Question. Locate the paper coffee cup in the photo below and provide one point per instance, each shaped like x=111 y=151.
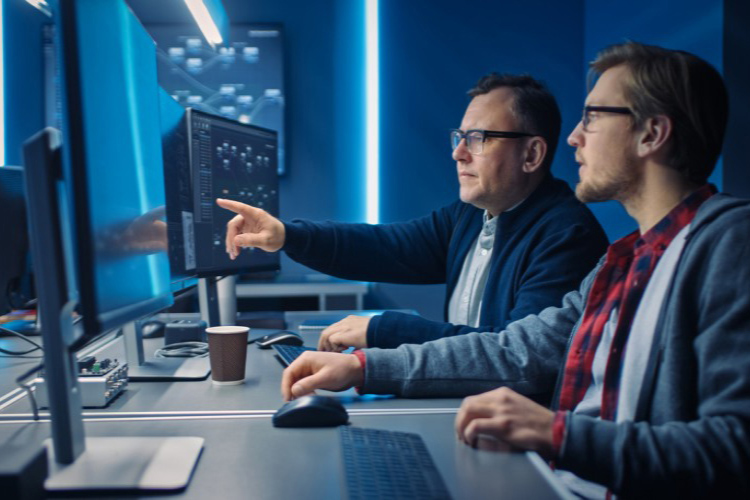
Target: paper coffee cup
x=227 y=352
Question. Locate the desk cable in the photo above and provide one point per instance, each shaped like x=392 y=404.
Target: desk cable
x=27 y=387
x=21 y=336
x=183 y=350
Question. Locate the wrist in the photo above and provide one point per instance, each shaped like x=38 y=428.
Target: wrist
x=281 y=232
x=359 y=361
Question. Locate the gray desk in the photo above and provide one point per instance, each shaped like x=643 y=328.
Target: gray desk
x=245 y=456
x=248 y=458
x=260 y=392
x=13 y=366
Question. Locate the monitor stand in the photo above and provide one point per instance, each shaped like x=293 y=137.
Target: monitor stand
x=78 y=463
x=120 y=465
x=208 y=299
x=153 y=369
x=217 y=306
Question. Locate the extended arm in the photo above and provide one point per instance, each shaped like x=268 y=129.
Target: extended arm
x=406 y=252
x=525 y=357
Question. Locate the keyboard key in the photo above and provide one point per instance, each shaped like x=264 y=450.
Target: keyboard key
x=288 y=353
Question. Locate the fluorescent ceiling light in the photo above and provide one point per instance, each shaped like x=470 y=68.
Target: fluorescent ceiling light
x=41 y=5
x=205 y=22
x=2 y=90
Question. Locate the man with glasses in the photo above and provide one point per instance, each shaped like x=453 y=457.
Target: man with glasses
x=515 y=243
x=653 y=398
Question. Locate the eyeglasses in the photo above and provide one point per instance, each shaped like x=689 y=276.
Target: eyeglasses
x=587 y=110
x=475 y=138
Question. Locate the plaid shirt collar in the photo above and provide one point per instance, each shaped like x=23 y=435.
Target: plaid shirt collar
x=619 y=285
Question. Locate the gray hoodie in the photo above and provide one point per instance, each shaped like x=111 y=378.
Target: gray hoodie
x=691 y=434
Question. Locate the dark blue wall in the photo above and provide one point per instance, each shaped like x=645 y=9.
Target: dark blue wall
x=692 y=25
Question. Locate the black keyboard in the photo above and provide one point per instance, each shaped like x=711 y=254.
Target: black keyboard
x=389 y=465
x=288 y=353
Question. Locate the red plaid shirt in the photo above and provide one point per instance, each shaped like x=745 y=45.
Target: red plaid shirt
x=619 y=285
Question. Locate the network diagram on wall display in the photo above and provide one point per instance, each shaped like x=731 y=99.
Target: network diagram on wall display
x=242 y=80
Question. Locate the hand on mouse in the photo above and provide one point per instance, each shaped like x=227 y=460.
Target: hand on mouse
x=349 y=332
x=251 y=227
x=320 y=370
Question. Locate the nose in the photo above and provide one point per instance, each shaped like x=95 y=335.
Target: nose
x=461 y=153
x=575 y=138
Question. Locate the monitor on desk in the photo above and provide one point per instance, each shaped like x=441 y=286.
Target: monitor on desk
x=98 y=233
x=237 y=161
x=178 y=192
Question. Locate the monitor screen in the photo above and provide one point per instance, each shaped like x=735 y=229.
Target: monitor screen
x=15 y=277
x=112 y=161
x=235 y=161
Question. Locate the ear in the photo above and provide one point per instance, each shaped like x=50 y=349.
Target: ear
x=536 y=151
x=654 y=135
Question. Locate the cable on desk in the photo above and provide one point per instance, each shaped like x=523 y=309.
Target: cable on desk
x=27 y=387
x=36 y=347
x=183 y=350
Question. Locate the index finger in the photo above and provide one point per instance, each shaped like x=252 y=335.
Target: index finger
x=299 y=369
x=235 y=206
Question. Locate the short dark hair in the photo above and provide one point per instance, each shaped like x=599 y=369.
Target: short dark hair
x=533 y=105
x=681 y=86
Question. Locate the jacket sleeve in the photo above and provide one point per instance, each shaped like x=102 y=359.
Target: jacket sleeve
x=708 y=454
x=405 y=252
x=525 y=357
x=557 y=263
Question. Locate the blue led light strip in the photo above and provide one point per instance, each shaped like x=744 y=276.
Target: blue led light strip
x=2 y=90
x=372 y=128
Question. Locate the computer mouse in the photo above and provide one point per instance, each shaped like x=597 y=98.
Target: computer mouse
x=152 y=329
x=282 y=337
x=311 y=411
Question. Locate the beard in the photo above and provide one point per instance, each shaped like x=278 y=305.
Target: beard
x=618 y=184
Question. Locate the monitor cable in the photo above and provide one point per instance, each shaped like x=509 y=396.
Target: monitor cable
x=183 y=350
x=27 y=387
x=36 y=347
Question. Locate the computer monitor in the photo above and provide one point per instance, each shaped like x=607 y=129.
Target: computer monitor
x=237 y=161
x=98 y=233
x=178 y=192
x=15 y=272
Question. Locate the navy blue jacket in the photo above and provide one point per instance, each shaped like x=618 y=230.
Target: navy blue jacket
x=543 y=249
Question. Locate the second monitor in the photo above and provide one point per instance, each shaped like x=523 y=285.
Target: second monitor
x=236 y=161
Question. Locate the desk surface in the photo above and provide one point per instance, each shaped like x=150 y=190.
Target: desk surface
x=245 y=456
x=260 y=392
x=248 y=458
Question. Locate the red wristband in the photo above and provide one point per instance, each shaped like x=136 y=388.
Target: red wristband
x=360 y=355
